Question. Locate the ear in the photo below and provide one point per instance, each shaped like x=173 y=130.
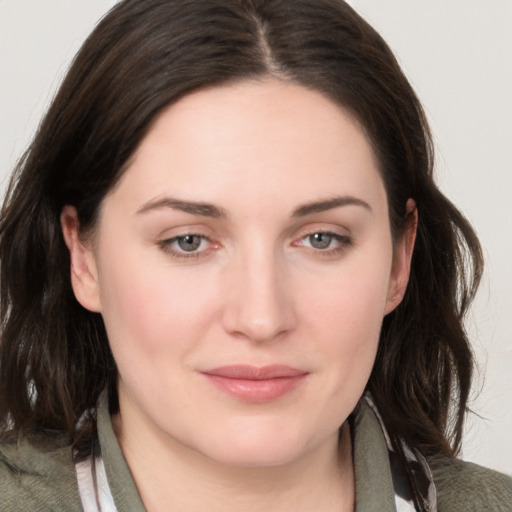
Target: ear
x=402 y=256
x=84 y=274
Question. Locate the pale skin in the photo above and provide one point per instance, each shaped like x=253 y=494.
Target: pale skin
x=250 y=227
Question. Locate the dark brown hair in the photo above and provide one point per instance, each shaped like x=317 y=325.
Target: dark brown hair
x=144 y=55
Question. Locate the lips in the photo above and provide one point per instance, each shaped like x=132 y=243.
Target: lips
x=255 y=384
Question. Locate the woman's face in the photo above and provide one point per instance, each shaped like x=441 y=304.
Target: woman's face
x=243 y=266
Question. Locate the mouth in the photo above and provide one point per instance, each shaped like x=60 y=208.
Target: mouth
x=254 y=384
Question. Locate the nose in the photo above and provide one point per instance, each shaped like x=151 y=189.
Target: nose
x=259 y=305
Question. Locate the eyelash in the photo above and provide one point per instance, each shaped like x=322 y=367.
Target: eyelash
x=342 y=243
x=167 y=247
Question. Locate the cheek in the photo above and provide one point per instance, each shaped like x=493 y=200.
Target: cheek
x=354 y=326
x=345 y=319
x=351 y=302
x=149 y=311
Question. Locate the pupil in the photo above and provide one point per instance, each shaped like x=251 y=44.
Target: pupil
x=320 y=240
x=189 y=243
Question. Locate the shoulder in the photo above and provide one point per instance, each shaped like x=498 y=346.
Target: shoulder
x=37 y=474
x=464 y=486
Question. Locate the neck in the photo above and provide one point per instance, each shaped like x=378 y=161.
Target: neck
x=169 y=475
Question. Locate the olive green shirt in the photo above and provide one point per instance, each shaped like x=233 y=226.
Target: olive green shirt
x=40 y=476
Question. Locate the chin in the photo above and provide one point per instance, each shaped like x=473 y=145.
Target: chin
x=258 y=445
x=257 y=456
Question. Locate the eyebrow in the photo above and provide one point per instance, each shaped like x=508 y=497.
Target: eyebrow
x=329 y=204
x=192 y=207
x=210 y=210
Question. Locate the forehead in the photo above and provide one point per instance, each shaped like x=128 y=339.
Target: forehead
x=271 y=140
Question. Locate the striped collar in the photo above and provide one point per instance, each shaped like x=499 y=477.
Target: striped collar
x=105 y=483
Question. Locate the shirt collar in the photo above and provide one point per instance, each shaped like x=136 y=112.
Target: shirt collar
x=378 y=479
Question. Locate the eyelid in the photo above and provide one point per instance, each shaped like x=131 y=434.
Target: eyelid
x=326 y=232
x=344 y=241
x=328 y=228
x=167 y=246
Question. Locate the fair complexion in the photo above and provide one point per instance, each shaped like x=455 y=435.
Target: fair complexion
x=249 y=230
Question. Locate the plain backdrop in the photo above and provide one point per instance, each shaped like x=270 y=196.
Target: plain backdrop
x=458 y=56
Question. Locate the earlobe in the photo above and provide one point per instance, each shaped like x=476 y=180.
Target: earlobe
x=84 y=275
x=402 y=258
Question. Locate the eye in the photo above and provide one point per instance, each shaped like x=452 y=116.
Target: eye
x=320 y=240
x=325 y=244
x=325 y=241
x=190 y=245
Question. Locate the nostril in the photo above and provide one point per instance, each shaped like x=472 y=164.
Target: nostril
x=258 y=314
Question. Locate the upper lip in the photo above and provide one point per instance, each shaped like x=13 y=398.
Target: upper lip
x=249 y=372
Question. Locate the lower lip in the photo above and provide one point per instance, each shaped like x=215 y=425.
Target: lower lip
x=256 y=391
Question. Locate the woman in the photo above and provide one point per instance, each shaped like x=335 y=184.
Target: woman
x=228 y=279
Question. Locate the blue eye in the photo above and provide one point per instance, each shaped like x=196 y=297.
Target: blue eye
x=325 y=244
x=321 y=240
x=186 y=246
x=326 y=241
x=189 y=243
